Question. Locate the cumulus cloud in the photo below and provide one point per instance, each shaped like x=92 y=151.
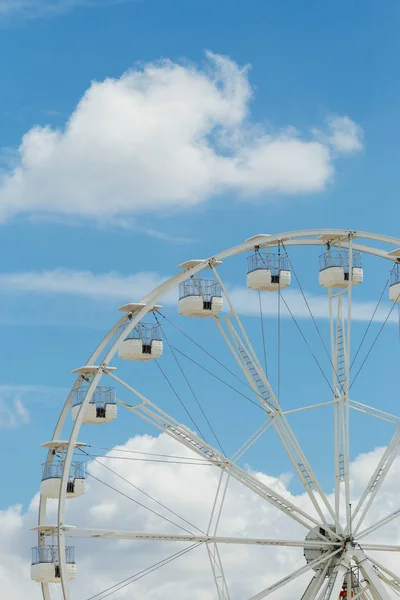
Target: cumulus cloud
x=165 y=136
x=189 y=491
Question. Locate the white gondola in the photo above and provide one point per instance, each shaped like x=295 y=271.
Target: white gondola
x=394 y=289
x=51 y=479
x=335 y=271
x=267 y=271
x=143 y=343
x=101 y=408
x=45 y=566
x=200 y=298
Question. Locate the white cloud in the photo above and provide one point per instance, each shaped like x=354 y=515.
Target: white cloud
x=127 y=288
x=82 y=283
x=12 y=412
x=246 y=303
x=160 y=137
x=188 y=490
x=345 y=135
x=15 y=398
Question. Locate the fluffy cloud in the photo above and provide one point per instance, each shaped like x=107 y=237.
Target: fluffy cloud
x=188 y=490
x=161 y=137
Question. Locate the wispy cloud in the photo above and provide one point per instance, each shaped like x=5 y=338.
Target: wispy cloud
x=13 y=413
x=15 y=400
x=33 y=9
x=116 y=223
x=82 y=283
x=122 y=288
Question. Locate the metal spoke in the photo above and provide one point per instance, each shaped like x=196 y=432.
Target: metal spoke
x=395 y=578
x=370 y=575
x=379 y=524
x=218 y=571
x=115 y=534
x=374 y=412
x=316 y=583
x=377 y=478
x=212 y=548
x=336 y=580
x=382 y=547
x=293 y=576
x=339 y=373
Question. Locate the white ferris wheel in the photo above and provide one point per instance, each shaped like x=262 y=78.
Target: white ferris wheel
x=338 y=554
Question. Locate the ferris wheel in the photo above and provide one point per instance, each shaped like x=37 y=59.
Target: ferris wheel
x=335 y=520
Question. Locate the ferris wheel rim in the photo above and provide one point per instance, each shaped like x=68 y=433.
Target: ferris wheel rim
x=262 y=241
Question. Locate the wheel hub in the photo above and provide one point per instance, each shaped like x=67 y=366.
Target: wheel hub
x=312 y=554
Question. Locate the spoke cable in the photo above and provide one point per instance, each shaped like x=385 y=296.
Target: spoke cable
x=221 y=380
x=371 y=319
x=217 y=361
x=180 y=400
x=137 y=501
x=308 y=306
x=192 y=390
x=263 y=333
x=307 y=344
x=133 y=578
x=203 y=349
x=145 y=453
x=373 y=343
x=154 y=460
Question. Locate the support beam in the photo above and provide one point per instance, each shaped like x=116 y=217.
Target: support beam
x=370 y=575
x=337 y=578
x=381 y=547
x=339 y=374
x=115 y=534
x=377 y=478
x=316 y=583
x=212 y=547
x=218 y=571
x=294 y=575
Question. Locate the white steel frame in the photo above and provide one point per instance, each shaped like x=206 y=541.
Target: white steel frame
x=343 y=549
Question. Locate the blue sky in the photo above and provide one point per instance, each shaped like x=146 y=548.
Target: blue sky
x=68 y=261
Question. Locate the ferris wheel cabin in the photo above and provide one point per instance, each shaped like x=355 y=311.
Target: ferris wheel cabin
x=335 y=268
x=199 y=297
x=50 y=485
x=45 y=567
x=394 y=288
x=267 y=271
x=102 y=407
x=52 y=470
x=143 y=343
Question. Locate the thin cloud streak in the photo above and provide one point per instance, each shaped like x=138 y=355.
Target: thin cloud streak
x=126 y=288
x=34 y=9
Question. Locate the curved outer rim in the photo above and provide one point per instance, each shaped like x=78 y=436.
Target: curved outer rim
x=291 y=238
